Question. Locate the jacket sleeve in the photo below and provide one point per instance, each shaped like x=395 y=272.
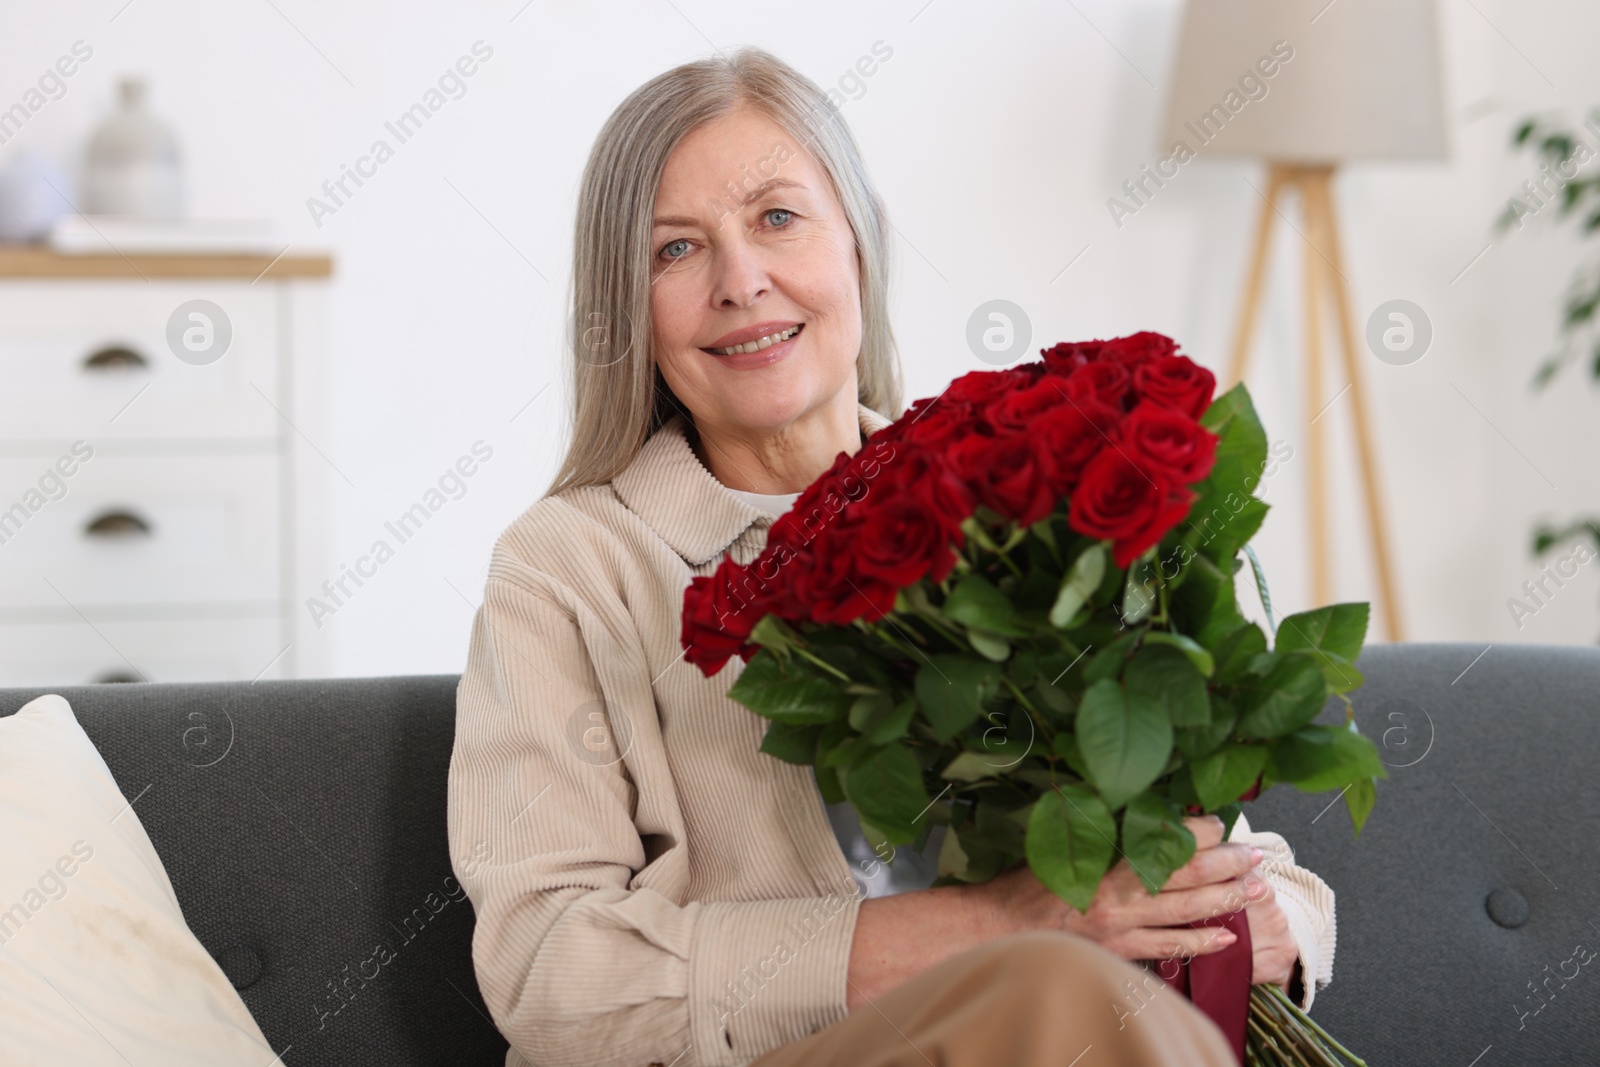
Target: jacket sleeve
x=577 y=964
x=1307 y=902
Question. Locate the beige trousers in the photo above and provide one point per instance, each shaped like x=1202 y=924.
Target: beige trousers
x=1027 y=1000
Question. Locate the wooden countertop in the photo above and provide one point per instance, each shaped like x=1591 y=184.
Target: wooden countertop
x=37 y=261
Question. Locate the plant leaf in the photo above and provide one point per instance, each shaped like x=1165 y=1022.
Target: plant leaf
x=792 y=744
x=1164 y=675
x=1125 y=740
x=951 y=689
x=1079 y=585
x=1336 y=628
x=792 y=695
x=1203 y=661
x=1315 y=759
x=885 y=786
x=976 y=602
x=1223 y=776
x=1281 y=693
x=1070 y=843
x=1360 y=798
x=1154 y=839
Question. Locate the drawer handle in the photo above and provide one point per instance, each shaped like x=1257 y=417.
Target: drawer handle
x=115 y=358
x=117 y=523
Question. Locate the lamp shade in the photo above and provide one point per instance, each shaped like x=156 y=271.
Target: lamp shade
x=1307 y=81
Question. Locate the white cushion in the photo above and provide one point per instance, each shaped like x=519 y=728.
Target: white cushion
x=97 y=965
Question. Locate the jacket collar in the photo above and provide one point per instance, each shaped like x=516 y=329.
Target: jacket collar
x=668 y=487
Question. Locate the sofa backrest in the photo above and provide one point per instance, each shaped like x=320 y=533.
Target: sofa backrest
x=302 y=824
x=1470 y=899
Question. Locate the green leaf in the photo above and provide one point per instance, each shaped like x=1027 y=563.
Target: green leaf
x=976 y=602
x=1360 y=799
x=828 y=783
x=1154 y=839
x=1204 y=606
x=1229 y=814
x=1164 y=675
x=990 y=646
x=792 y=744
x=1315 y=759
x=1109 y=661
x=1281 y=693
x=880 y=719
x=1066 y=746
x=1337 y=628
x=1226 y=515
x=1223 y=776
x=1070 y=843
x=885 y=786
x=1235 y=651
x=1198 y=741
x=1079 y=585
x=952 y=858
x=771 y=632
x=973 y=767
x=1125 y=739
x=1202 y=660
x=790 y=695
x=951 y=690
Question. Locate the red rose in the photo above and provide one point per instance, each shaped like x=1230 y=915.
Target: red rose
x=979 y=387
x=1117 y=501
x=903 y=540
x=1065 y=358
x=1160 y=439
x=1072 y=434
x=1138 y=348
x=936 y=427
x=718 y=614
x=1109 y=382
x=1018 y=409
x=832 y=586
x=1177 y=382
x=923 y=474
x=1010 y=473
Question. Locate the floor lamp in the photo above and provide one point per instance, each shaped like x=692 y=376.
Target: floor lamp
x=1308 y=92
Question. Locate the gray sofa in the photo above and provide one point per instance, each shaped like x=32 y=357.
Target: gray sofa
x=302 y=822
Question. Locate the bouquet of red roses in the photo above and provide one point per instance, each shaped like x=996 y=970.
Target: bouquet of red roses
x=1012 y=613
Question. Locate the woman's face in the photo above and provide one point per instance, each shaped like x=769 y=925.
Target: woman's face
x=730 y=267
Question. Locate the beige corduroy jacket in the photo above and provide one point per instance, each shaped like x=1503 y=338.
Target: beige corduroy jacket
x=649 y=888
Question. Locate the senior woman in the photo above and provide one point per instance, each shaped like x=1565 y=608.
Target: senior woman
x=649 y=887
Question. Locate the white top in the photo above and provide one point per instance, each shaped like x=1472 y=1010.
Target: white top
x=894 y=871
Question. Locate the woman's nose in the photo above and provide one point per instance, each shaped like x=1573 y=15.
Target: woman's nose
x=740 y=274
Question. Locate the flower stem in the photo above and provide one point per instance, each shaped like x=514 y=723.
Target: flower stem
x=825 y=665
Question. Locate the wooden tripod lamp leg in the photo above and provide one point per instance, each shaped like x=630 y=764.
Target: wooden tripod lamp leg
x=1323 y=196
x=1244 y=333
x=1317 y=488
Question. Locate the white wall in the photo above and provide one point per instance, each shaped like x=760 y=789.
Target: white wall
x=996 y=133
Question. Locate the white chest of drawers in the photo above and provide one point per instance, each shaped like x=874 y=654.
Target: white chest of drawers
x=147 y=501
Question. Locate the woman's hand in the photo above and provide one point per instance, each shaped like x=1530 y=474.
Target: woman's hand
x=1272 y=947
x=1124 y=918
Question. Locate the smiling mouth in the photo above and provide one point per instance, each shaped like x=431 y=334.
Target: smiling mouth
x=758 y=344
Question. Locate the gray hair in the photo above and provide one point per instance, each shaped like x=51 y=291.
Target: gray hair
x=619 y=397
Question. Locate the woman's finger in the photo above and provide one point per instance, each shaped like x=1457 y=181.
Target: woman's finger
x=1207 y=831
x=1228 y=860
x=1203 y=902
x=1155 y=943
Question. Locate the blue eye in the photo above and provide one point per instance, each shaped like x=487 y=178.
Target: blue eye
x=779 y=211
x=669 y=244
